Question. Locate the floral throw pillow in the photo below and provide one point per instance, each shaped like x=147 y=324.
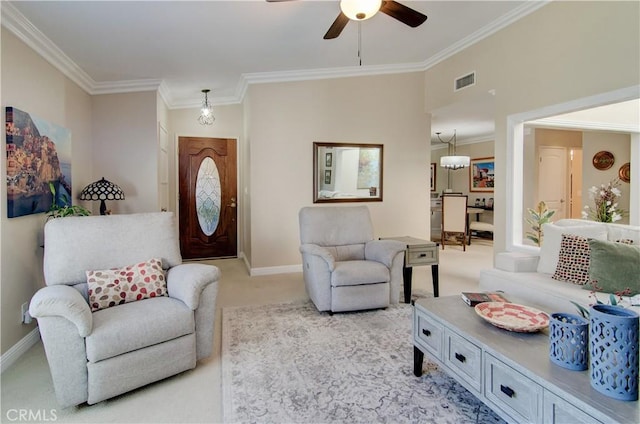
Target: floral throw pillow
x=116 y=286
x=573 y=260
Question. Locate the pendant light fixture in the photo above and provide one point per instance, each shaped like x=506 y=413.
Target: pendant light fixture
x=453 y=161
x=359 y=10
x=206 y=112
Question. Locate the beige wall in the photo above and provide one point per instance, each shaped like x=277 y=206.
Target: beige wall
x=125 y=152
x=283 y=122
x=29 y=83
x=546 y=58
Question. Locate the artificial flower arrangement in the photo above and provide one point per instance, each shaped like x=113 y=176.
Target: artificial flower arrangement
x=605 y=198
x=615 y=299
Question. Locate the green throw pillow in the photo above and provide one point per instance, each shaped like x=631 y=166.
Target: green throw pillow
x=614 y=267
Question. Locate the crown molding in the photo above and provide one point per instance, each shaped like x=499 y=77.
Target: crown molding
x=484 y=32
x=472 y=140
x=585 y=125
x=20 y=26
x=126 y=86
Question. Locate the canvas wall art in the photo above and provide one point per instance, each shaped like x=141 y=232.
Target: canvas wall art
x=481 y=175
x=38 y=153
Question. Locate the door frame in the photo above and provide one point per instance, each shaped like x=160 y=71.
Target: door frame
x=239 y=180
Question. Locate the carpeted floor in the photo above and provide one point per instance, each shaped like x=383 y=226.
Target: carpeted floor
x=289 y=363
x=196 y=396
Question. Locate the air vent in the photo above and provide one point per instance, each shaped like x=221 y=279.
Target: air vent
x=465 y=81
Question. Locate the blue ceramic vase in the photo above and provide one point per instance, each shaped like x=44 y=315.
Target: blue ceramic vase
x=569 y=341
x=613 y=353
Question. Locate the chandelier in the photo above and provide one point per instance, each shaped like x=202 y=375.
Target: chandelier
x=453 y=161
x=206 y=112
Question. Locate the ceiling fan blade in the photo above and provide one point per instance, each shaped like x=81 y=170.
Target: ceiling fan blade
x=337 y=26
x=404 y=14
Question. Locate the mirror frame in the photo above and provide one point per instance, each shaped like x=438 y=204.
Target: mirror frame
x=316 y=177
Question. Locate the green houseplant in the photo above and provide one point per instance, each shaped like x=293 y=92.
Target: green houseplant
x=65 y=209
x=537 y=217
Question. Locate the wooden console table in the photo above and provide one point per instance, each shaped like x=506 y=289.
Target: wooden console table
x=419 y=252
x=510 y=372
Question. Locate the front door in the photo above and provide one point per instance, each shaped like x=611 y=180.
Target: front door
x=207 y=185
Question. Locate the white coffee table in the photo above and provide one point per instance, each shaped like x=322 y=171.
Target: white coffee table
x=510 y=372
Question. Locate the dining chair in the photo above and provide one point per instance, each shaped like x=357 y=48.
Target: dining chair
x=454 y=219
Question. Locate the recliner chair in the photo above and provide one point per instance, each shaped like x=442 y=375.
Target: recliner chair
x=344 y=268
x=97 y=355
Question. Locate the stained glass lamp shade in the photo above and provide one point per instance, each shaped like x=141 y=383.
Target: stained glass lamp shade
x=102 y=190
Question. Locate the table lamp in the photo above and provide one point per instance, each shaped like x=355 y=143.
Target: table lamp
x=102 y=190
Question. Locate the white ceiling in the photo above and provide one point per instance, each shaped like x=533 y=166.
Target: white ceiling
x=222 y=45
x=182 y=47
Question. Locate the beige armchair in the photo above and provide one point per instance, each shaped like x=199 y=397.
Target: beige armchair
x=454 y=219
x=95 y=355
x=344 y=268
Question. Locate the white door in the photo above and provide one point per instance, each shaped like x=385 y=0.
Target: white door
x=552 y=177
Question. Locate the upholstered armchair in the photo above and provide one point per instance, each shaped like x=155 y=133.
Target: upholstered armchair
x=344 y=268
x=108 y=331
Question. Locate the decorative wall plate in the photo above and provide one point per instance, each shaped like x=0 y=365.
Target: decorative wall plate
x=513 y=317
x=624 y=173
x=603 y=160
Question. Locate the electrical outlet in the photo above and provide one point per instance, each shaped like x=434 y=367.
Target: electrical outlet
x=25 y=318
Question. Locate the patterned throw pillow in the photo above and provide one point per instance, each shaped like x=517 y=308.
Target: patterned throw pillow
x=122 y=285
x=573 y=260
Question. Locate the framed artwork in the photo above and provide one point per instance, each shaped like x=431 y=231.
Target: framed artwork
x=481 y=175
x=328 y=159
x=327 y=176
x=433 y=176
x=38 y=157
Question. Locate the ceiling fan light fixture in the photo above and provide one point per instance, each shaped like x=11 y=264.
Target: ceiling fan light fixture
x=360 y=10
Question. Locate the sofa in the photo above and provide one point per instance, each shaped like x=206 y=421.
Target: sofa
x=120 y=310
x=529 y=276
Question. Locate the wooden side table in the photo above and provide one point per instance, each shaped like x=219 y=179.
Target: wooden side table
x=419 y=252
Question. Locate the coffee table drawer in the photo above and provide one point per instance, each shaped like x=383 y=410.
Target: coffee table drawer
x=429 y=333
x=464 y=358
x=422 y=255
x=559 y=411
x=515 y=393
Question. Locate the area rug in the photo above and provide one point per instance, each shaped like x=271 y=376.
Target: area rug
x=292 y=364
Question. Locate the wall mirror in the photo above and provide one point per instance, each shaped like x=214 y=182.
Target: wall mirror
x=347 y=172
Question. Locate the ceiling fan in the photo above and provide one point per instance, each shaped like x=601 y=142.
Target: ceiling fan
x=359 y=10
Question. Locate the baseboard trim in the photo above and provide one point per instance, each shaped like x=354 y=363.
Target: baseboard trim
x=19 y=349
x=270 y=270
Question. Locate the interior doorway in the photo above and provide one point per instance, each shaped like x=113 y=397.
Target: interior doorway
x=552 y=175
x=207 y=184
x=575 y=203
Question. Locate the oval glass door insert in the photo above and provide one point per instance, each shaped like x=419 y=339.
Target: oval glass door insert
x=208 y=196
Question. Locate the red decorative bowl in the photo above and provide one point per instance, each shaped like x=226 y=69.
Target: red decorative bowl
x=513 y=317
